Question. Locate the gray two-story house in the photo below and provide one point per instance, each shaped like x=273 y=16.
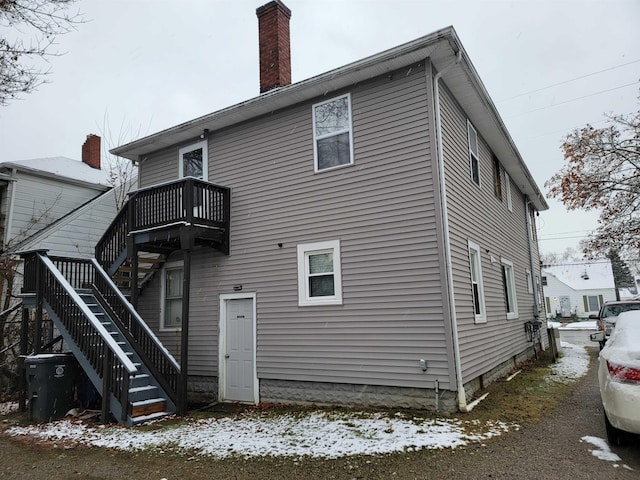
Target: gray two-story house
x=366 y=236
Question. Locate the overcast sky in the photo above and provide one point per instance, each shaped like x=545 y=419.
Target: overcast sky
x=149 y=65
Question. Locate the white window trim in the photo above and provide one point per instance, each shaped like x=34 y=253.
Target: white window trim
x=473 y=154
x=332 y=134
x=511 y=286
x=304 y=250
x=205 y=158
x=165 y=267
x=482 y=316
x=507 y=191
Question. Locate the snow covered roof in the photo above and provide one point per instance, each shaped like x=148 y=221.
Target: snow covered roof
x=61 y=167
x=595 y=275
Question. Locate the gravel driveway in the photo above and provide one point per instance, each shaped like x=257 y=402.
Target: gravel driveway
x=552 y=449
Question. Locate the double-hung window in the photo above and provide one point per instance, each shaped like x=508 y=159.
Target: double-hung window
x=509 y=281
x=319 y=274
x=172 y=278
x=193 y=161
x=592 y=303
x=332 y=133
x=477 y=290
x=474 y=156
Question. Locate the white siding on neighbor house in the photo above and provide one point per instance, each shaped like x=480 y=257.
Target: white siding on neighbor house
x=555 y=289
x=77 y=233
x=382 y=211
x=476 y=214
x=39 y=201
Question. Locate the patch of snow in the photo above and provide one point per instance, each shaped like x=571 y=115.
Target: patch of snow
x=587 y=325
x=8 y=407
x=602 y=451
x=551 y=324
x=325 y=434
x=573 y=364
x=315 y=434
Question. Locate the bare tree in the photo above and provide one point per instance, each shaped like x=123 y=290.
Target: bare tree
x=603 y=173
x=122 y=172
x=29 y=31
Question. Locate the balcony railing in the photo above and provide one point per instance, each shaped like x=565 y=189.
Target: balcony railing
x=188 y=201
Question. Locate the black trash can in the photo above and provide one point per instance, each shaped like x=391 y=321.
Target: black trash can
x=52 y=381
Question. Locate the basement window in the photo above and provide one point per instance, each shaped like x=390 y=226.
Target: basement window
x=332 y=134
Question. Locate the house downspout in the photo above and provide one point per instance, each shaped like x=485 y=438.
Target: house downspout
x=462 y=398
x=12 y=200
x=527 y=210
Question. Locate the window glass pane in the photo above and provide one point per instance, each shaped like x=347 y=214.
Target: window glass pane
x=173 y=313
x=473 y=260
x=475 y=171
x=473 y=141
x=192 y=163
x=593 y=303
x=321 y=263
x=334 y=151
x=173 y=283
x=332 y=116
x=321 y=286
x=476 y=299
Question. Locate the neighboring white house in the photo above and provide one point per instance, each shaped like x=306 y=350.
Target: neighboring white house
x=577 y=289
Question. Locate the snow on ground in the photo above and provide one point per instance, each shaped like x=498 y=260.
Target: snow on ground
x=573 y=364
x=7 y=408
x=322 y=433
x=602 y=450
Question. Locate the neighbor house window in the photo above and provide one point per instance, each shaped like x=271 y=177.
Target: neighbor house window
x=592 y=303
x=508 y=279
x=332 y=137
x=193 y=161
x=507 y=190
x=477 y=290
x=474 y=157
x=319 y=274
x=544 y=280
x=172 y=278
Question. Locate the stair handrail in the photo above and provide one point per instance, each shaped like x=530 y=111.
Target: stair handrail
x=156 y=346
x=108 y=339
x=108 y=257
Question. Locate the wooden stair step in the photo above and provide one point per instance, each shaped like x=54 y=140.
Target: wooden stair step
x=147 y=407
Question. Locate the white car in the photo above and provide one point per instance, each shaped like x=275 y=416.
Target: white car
x=619 y=377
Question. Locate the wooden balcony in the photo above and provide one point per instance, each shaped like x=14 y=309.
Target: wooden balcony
x=163 y=218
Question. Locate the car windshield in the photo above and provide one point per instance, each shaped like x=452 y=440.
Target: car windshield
x=615 y=310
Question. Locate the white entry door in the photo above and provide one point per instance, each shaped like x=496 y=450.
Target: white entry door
x=239 y=380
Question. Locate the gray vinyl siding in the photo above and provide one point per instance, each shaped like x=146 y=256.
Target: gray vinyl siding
x=381 y=209
x=476 y=214
x=39 y=201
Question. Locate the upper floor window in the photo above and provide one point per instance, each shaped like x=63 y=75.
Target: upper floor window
x=507 y=190
x=319 y=274
x=509 y=289
x=194 y=161
x=497 y=177
x=332 y=138
x=477 y=290
x=474 y=157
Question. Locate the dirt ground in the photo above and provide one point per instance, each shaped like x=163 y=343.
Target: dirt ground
x=548 y=446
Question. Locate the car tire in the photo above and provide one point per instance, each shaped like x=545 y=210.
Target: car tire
x=615 y=436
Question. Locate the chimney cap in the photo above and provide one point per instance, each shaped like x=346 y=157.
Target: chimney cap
x=274 y=4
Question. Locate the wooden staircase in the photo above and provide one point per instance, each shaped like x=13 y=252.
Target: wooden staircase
x=147 y=400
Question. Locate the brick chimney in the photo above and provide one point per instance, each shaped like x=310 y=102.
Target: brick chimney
x=91 y=151
x=274 y=44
